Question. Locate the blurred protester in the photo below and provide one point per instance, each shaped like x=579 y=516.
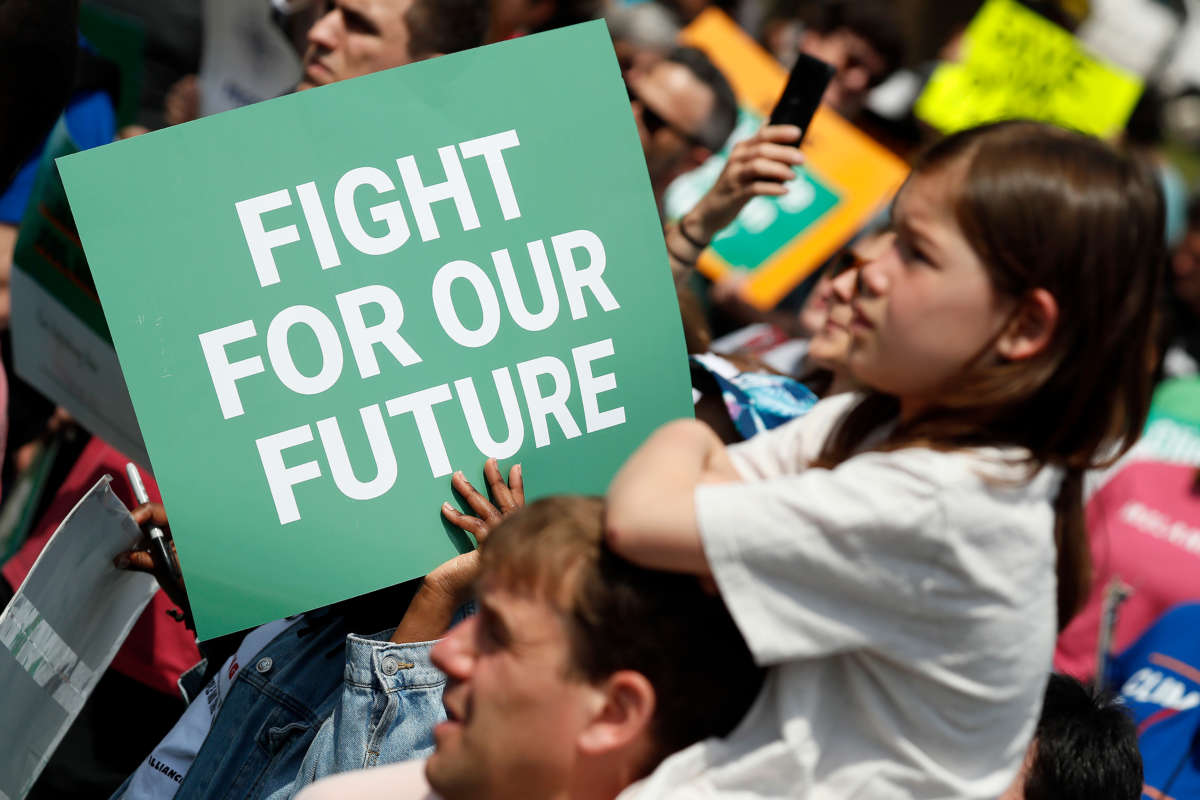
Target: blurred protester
x=37 y=65
x=740 y=398
x=1171 y=757
x=358 y=37
x=173 y=32
x=1181 y=329
x=1143 y=520
x=642 y=33
x=862 y=39
x=892 y=555
x=1084 y=748
x=295 y=18
x=511 y=18
x=1158 y=675
x=1159 y=680
x=666 y=17
x=1145 y=134
x=684 y=110
x=90 y=117
x=137 y=700
x=825 y=367
x=810 y=344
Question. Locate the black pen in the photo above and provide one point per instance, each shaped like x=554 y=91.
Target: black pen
x=156 y=534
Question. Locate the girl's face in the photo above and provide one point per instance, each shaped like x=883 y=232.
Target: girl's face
x=830 y=345
x=815 y=310
x=925 y=306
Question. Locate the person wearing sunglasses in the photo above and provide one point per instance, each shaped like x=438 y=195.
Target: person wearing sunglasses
x=684 y=110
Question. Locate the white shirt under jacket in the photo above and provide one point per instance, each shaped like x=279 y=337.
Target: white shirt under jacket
x=905 y=605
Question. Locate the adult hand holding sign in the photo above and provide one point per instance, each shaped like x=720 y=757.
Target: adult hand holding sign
x=448 y=586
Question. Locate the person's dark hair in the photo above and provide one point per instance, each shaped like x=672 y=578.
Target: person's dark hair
x=1047 y=208
x=1145 y=127
x=621 y=616
x=723 y=117
x=570 y=12
x=876 y=21
x=447 y=26
x=37 y=66
x=1085 y=747
x=1193 y=213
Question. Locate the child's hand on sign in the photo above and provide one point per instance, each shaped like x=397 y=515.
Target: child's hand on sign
x=760 y=165
x=142 y=558
x=449 y=586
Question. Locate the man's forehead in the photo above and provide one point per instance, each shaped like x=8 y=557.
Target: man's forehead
x=508 y=601
x=380 y=11
x=529 y=617
x=674 y=90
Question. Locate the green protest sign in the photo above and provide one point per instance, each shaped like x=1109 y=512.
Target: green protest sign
x=122 y=40
x=60 y=340
x=326 y=303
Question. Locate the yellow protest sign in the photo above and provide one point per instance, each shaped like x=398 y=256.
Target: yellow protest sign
x=1018 y=64
x=846 y=180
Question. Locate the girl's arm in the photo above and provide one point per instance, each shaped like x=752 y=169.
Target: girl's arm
x=651 y=514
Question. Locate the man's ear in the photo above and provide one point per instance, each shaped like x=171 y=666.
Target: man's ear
x=1031 y=327
x=624 y=709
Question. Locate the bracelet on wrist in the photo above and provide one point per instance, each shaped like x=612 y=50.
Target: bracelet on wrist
x=688 y=261
x=688 y=237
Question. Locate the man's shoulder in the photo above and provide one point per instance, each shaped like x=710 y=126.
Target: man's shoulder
x=405 y=781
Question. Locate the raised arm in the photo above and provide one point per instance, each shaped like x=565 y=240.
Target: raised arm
x=651 y=514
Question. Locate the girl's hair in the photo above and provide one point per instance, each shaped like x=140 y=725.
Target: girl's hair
x=1052 y=209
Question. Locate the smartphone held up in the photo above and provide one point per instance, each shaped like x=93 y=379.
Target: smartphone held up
x=805 y=87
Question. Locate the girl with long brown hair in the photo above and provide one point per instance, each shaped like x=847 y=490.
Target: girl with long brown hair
x=903 y=557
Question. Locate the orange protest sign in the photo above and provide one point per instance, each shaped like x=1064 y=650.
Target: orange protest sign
x=847 y=179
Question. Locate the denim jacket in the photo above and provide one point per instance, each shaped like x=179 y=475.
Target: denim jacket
x=317 y=701
x=388 y=706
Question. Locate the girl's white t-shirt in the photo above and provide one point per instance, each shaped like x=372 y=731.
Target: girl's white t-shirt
x=905 y=602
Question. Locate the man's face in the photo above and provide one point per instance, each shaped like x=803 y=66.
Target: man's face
x=859 y=66
x=514 y=714
x=671 y=106
x=357 y=37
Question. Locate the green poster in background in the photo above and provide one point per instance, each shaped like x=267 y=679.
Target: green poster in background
x=121 y=40
x=326 y=303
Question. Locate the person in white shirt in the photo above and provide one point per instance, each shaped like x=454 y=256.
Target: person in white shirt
x=899 y=558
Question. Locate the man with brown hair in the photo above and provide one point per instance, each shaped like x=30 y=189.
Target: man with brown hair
x=578 y=675
x=358 y=37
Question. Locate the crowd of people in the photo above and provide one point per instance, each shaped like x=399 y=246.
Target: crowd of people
x=942 y=542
